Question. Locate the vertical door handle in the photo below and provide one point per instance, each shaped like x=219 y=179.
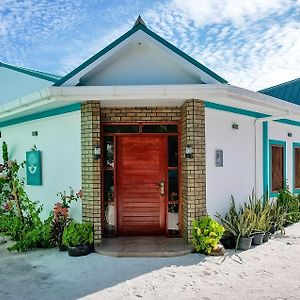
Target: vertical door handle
x=161 y=186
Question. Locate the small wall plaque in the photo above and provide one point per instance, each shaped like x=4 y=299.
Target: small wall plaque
x=219 y=158
x=34 y=167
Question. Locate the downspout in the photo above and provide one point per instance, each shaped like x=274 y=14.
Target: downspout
x=265 y=150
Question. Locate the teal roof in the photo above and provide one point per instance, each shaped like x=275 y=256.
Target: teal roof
x=140 y=25
x=288 y=91
x=43 y=75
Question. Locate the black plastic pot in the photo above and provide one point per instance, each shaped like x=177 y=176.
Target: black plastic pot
x=228 y=241
x=244 y=243
x=62 y=248
x=267 y=236
x=80 y=250
x=258 y=238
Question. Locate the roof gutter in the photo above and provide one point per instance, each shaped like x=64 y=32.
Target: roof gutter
x=108 y=94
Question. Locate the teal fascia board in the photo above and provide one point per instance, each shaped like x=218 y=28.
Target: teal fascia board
x=240 y=111
x=125 y=36
x=42 y=115
x=295 y=190
x=265 y=145
x=38 y=74
x=279 y=143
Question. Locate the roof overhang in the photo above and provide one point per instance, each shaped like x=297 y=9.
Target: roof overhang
x=153 y=95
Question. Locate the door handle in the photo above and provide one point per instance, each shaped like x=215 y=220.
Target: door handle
x=161 y=186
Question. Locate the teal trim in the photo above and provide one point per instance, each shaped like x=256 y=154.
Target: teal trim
x=39 y=74
x=289 y=122
x=42 y=115
x=125 y=36
x=249 y=113
x=279 y=143
x=295 y=190
x=265 y=144
x=235 y=110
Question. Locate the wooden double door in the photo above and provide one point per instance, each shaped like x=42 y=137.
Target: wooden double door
x=142 y=184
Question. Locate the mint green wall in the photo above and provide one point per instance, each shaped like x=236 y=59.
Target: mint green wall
x=14 y=85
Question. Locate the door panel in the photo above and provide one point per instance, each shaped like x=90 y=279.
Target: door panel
x=142 y=165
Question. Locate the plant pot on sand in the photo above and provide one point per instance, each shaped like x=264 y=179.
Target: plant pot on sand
x=79 y=238
x=244 y=243
x=228 y=241
x=80 y=250
x=258 y=238
x=267 y=236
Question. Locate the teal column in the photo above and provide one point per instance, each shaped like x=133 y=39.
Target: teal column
x=265 y=144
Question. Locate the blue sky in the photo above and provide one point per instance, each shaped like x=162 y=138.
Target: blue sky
x=251 y=43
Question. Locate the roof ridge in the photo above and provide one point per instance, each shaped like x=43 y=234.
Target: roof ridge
x=36 y=73
x=280 y=84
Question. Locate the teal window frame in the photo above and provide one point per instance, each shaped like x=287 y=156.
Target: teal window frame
x=295 y=190
x=277 y=143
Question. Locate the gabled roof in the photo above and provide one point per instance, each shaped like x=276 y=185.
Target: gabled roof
x=38 y=74
x=140 y=25
x=288 y=91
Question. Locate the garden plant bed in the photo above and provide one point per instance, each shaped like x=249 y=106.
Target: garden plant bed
x=276 y=263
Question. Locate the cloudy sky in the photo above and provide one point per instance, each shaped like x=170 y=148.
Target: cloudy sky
x=251 y=43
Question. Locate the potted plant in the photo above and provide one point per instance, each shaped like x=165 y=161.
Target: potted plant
x=61 y=217
x=206 y=235
x=240 y=224
x=78 y=237
x=58 y=224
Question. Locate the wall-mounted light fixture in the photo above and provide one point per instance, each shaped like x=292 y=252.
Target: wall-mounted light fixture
x=235 y=126
x=188 y=151
x=35 y=133
x=290 y=134
x=97 y=152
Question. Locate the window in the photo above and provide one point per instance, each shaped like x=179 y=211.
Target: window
x=277 y=159
x=296 y=149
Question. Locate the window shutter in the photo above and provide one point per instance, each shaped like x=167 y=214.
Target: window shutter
x=277 y=168
x=297 y=167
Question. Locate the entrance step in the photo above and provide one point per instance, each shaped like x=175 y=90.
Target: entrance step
x=144 y=246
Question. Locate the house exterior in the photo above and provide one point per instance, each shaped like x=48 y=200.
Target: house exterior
x=154 y=138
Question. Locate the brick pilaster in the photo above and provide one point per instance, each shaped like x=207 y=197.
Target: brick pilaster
x=193 y=169
x=91 y=173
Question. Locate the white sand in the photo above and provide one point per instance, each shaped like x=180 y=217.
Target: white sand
x=269 y=271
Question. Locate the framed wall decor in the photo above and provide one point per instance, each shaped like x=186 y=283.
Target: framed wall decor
x=34 y=167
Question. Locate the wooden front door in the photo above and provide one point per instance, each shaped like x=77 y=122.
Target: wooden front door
x=142 y=166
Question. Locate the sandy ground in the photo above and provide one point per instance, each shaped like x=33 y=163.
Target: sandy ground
x=269 y=271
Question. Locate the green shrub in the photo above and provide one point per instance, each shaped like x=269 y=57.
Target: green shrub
x=38 y=237
x=76 y=234
x=206 y=234
x=290 y=204
x=12 y=226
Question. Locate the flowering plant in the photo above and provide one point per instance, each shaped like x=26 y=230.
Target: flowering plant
x=61 y=215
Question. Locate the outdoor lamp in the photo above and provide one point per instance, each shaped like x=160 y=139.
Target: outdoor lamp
x=188 y=151
x=97 y=152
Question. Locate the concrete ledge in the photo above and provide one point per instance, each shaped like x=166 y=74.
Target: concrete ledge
x=152 y=246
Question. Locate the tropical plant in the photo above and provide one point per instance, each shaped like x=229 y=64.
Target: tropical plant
x=206 y=234
x=290 y=204
x=76 y=234
x=58 y=224
x=238 y=222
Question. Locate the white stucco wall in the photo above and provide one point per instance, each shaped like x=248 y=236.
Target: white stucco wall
x=141 y=65
x=14 y=84
x=237 y=176
x=59 y=140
